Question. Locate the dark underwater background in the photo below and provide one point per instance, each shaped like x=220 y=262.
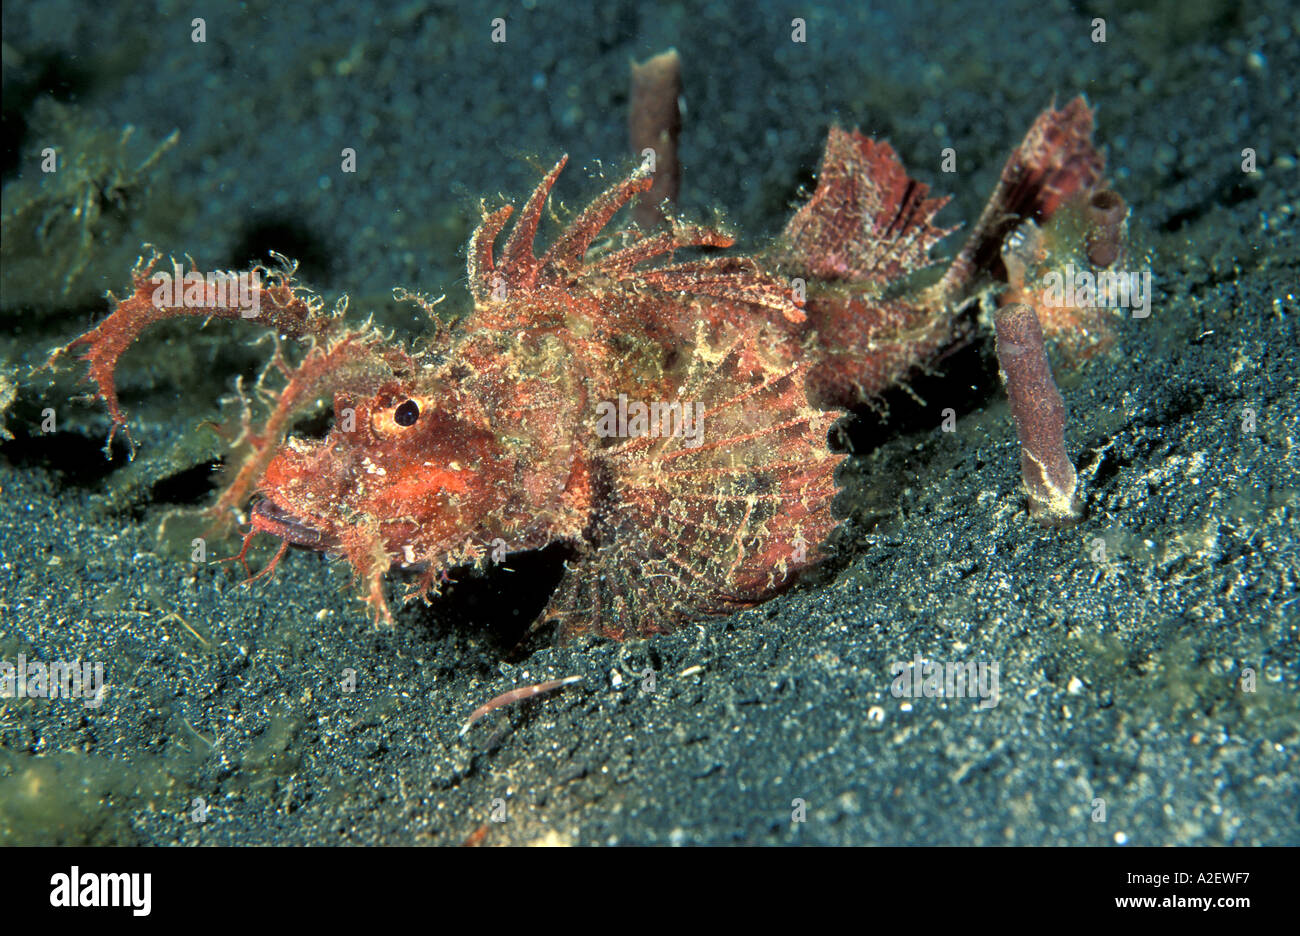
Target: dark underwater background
x=1122 y=671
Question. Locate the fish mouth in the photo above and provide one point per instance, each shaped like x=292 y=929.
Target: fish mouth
x=270 y=517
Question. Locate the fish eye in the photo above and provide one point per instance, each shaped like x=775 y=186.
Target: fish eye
x=407 y=413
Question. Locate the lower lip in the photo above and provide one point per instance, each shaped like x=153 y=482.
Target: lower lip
x=271 y=518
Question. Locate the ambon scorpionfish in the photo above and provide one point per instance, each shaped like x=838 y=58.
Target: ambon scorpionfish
x=667 y=418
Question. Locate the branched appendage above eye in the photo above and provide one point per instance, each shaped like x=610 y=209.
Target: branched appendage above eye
x=271 y=298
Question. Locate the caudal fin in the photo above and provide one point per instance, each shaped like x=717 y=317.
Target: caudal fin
x=868 y=226
x=1055 y=161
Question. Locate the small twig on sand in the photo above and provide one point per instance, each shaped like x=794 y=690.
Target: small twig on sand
x=516 y=695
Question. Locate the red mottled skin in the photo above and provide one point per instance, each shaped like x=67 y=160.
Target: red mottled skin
x=504 y=452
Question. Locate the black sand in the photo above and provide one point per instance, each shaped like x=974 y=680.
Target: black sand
x=1121 y=667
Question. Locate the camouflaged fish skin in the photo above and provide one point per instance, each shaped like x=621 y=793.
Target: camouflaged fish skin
x=526 y=424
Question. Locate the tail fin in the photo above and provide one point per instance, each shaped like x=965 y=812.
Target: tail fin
x=868 y=225
x=1055 y=161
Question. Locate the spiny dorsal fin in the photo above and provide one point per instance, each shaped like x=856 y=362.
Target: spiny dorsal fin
x=520 y=270
x=566 y=263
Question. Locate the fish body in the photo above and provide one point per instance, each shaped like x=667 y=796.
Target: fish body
x=659 y=405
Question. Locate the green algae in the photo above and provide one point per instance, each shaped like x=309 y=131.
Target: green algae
x=56 y=224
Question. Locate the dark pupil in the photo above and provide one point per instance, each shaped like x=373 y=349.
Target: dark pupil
x=407 y=414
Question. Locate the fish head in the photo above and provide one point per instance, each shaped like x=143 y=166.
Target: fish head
x=482 y=450
x=416 y=466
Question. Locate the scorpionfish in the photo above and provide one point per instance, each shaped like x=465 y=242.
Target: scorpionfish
x=667 y=417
